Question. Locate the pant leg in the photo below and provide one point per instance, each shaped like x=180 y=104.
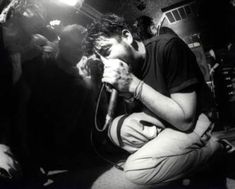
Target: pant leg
x=170 y=155
x=116 y=179
x=154 y=166
x=131 y=132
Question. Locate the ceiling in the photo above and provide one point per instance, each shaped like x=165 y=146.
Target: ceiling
x=131 y=9
x=214 y=17
x=214 y=14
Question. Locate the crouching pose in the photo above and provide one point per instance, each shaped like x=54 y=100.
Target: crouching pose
x=168 y=132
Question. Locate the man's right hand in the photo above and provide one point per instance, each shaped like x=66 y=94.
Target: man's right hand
x=9 y=167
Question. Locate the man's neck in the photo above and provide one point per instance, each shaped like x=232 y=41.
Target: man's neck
x=141 y=50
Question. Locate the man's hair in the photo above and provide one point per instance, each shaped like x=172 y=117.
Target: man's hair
x=109 y=25
x=143 y=24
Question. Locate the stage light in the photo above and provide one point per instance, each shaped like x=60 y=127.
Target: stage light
x=55 y=22
x=70 y=2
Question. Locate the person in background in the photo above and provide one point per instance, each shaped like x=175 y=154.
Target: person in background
x=167 y=30
x=168 y=132
x=60 y=113
x=7 y=160
x=145 y=27
x=18 y=23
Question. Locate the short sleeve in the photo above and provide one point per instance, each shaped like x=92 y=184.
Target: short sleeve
x=180 y=66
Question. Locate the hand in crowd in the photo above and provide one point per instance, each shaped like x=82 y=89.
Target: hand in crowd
x=49 y=50
x=83 y=67
x=9 y=167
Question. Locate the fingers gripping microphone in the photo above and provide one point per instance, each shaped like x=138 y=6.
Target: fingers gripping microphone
x=111 y=107
x=112 y=101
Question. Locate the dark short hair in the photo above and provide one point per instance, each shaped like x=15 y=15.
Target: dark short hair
x=109 y=25
x=143 y=24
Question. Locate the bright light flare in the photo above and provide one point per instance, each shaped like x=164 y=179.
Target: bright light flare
x=55 y=22
x=69 y=2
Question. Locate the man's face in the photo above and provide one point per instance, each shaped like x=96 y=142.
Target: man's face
x=114 y=48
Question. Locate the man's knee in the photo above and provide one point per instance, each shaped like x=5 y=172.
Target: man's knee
x=130 y=134
x=144 y=170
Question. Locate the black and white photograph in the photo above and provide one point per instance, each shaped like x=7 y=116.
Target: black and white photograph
x=117 y=94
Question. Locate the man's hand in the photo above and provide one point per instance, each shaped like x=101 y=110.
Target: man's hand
x=9 y=167
x=117 y=73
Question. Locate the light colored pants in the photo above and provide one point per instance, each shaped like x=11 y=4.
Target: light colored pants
x=160 y=155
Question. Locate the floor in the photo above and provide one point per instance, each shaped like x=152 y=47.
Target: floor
x=228 y=134
x=211 y=178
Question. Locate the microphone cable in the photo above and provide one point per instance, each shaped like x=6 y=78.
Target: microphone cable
x=101 y=130
x=97 y=109
x=102 y=156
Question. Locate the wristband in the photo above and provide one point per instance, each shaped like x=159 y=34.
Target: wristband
x=138 y=90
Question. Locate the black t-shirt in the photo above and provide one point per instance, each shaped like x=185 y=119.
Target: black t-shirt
x=5 y=68
x=6 y=87
x=171 y=67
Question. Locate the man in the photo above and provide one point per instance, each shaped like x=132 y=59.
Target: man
x=168 y=135
x=146 y=27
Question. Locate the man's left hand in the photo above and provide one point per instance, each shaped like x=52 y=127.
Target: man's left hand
x=117 y=73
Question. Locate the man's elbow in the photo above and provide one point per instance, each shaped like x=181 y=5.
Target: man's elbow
x=187 y=125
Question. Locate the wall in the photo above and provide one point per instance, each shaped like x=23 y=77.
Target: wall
x=128 y=8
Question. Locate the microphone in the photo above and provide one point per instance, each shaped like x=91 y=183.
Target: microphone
x=112 y=100
x=111 y=107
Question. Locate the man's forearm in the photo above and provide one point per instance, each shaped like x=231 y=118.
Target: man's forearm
x=165 y=107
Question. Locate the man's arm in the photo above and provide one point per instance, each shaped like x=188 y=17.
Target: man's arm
x=178 y=109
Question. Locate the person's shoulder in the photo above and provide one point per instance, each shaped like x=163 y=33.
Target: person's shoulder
x=160 y=39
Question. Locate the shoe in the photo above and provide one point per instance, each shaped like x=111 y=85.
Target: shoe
x=228 y=147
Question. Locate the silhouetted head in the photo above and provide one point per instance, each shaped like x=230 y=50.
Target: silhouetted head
x=145 y=27
x=70 y=44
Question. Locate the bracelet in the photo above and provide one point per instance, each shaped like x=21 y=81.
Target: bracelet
x=129 y=100
x=138 y=90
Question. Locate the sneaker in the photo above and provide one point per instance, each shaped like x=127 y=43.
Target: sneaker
x=229 y=148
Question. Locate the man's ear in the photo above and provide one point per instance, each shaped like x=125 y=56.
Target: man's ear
x=127 y=36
